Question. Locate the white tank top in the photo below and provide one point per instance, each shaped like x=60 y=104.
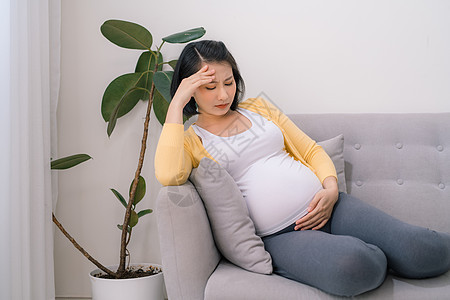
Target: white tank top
x=276 y=187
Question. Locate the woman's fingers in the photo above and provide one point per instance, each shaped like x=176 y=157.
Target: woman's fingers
x=315 y=219
x=205 y=70
x=311 y=220
x=206 y=76
x=314 y=224
x=319 y=211
x=202 y=76
x=189 y=85
x=200 y=80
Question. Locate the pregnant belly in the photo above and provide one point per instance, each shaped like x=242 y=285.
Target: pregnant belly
x=278 y=191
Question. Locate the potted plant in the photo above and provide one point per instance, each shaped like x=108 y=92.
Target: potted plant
x=149 y=82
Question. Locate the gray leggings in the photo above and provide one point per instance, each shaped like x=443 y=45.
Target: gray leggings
x=352 y=253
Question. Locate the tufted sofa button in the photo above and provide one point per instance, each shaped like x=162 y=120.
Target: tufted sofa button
x=359 y=183
x=441 y=186
x=399 y=145
x=399 y=181
x=357 y=146
x=440 y=148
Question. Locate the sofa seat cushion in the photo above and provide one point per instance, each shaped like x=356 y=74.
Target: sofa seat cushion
x=231 y=282
x=398 y=288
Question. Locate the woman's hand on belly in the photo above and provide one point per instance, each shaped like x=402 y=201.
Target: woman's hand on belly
x=321 y=207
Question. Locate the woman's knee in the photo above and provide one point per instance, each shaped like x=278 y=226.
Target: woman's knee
x=424 y=254
x=361 y=269
x=339 y=265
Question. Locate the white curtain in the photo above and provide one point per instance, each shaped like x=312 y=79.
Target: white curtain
x=29 y=66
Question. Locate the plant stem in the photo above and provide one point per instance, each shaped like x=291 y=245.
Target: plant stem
x=123 y=242
x=84 y=252
x=159 y=50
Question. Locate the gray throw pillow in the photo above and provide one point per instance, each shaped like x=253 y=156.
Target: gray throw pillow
x=233 y=230
x=334 y=147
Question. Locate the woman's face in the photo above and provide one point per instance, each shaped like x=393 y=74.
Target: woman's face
x=216 y=97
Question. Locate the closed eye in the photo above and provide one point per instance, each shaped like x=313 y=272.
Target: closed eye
x=213 y=87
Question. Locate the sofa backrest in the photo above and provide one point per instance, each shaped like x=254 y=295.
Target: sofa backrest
x=399 y=163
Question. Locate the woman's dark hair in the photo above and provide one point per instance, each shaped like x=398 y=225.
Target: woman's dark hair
x=190 y=61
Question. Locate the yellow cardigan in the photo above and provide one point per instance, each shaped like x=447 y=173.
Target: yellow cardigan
x=178 y=151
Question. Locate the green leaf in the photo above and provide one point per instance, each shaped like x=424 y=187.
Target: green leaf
x=127 y=34
x=114 y=115
x=146 y=62
x=173 y=63
x=140 y=190
x=185 y=36
x=134 y=218
x=122 y=92
x=120 y=197
x=120 y=227
x=112 y=121
x=162 y=80
x=160 y=107
x=144 y=212
x=145 y=84
x=69 y=161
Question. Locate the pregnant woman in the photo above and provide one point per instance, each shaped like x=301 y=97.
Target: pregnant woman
x=314 y=234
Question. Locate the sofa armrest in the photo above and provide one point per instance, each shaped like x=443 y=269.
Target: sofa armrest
x=188 y=252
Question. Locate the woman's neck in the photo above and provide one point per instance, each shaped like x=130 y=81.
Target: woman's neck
x=206 y=120
x=227 y=125
x=215 y=122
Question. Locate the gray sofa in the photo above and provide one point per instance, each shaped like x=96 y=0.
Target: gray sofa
x=399 y=163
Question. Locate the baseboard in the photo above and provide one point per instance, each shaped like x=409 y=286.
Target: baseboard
x=73 y=298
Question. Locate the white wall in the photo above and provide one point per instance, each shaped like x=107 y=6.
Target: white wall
x=307 y=56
